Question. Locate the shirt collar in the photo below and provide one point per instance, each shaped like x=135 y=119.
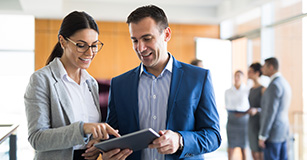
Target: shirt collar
x=63 y=73
x=277 y=74
x=169 y=66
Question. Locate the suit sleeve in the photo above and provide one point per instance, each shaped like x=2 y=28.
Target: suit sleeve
x=38 y=107
x=269 y=110
x=206 y=136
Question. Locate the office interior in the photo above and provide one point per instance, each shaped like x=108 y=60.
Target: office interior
x=226 y=35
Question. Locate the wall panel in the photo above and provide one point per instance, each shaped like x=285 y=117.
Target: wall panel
x=117 y=55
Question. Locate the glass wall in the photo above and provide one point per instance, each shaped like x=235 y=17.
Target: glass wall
x=17 y=64
x=281 y=33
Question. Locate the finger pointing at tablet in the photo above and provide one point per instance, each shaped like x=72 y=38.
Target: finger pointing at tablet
x=99 y=130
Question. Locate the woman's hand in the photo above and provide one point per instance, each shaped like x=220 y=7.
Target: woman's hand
x=100 y=130
x=91 y=152
x=116 y=154
x=252 y=111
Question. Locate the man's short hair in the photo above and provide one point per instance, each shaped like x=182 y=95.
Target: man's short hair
x=272 y=61
x=152 y=11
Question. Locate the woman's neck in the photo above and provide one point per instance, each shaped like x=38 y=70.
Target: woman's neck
x=237 y=85
x=72 y=72
x=256 y=83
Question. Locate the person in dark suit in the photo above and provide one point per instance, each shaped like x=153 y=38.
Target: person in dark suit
x=274 y=122
x=173 y=98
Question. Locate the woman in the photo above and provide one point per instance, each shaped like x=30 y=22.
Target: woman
x=254 y=73
x=236 y=101
x=61 y=99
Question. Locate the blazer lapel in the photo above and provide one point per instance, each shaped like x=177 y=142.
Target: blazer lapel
x=175 y=84
x=134 y=96
x=62 y=95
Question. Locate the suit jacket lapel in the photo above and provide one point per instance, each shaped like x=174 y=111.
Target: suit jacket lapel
x=134 y=96
x=175 y=84
x=62 y=95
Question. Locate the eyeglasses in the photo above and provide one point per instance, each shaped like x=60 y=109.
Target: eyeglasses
x=82 y=47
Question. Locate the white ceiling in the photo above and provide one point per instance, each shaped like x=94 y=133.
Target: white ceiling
x=178 y=11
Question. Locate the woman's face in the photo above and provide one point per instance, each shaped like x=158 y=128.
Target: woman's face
x=252 y=74
x=238 y=77
x=72 y=58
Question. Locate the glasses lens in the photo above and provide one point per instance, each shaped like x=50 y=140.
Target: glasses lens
x=97 y=47
x=82 y=47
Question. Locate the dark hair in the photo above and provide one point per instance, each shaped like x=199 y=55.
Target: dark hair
x=239 y=71
x=152 y=11
x=256 y=67
x=272 y=61
x=195 y=62
x=72 y=23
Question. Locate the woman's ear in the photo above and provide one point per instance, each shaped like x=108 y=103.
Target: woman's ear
x=62 y=41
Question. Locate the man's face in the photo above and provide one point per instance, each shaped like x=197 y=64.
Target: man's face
x=265 y=69
x=149 y=43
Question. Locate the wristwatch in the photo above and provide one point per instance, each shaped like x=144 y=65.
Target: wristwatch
x=180 y=142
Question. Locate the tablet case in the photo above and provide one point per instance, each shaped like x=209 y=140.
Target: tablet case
x=135 y=141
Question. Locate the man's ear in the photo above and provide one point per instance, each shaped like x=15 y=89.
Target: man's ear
x=62 y=41
x=168 y=34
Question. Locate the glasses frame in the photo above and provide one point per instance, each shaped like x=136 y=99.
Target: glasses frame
x=89 y=46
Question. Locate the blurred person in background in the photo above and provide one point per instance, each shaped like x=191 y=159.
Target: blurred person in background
x=236 y=101
x=254 y=98
x=197 y=62
x=274 y=121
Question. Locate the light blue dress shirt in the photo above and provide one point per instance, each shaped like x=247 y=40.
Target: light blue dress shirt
x=153 y=93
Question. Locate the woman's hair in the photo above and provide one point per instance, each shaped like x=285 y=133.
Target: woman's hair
x=256 y=67
x=72 y=23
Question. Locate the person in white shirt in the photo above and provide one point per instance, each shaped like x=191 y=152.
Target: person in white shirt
x=237 y=105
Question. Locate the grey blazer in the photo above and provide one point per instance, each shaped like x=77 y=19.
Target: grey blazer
x=51 y=130
x=275 y=102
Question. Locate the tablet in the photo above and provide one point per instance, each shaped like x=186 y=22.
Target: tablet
x=135 y=141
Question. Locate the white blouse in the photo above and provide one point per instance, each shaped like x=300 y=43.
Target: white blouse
x=237 y=99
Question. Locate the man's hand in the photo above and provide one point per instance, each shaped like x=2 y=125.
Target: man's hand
x=116 y=154
x=100 y=130
x=167 y=143
x=261 y=143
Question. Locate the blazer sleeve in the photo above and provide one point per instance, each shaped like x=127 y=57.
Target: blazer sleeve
x=269 y=109
x=206 y=136
x=45 y=134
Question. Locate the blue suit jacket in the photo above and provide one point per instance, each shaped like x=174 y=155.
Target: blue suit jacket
x=191 y=109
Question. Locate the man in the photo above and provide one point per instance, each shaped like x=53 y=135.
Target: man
x=173 y=98
x=274 y=123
